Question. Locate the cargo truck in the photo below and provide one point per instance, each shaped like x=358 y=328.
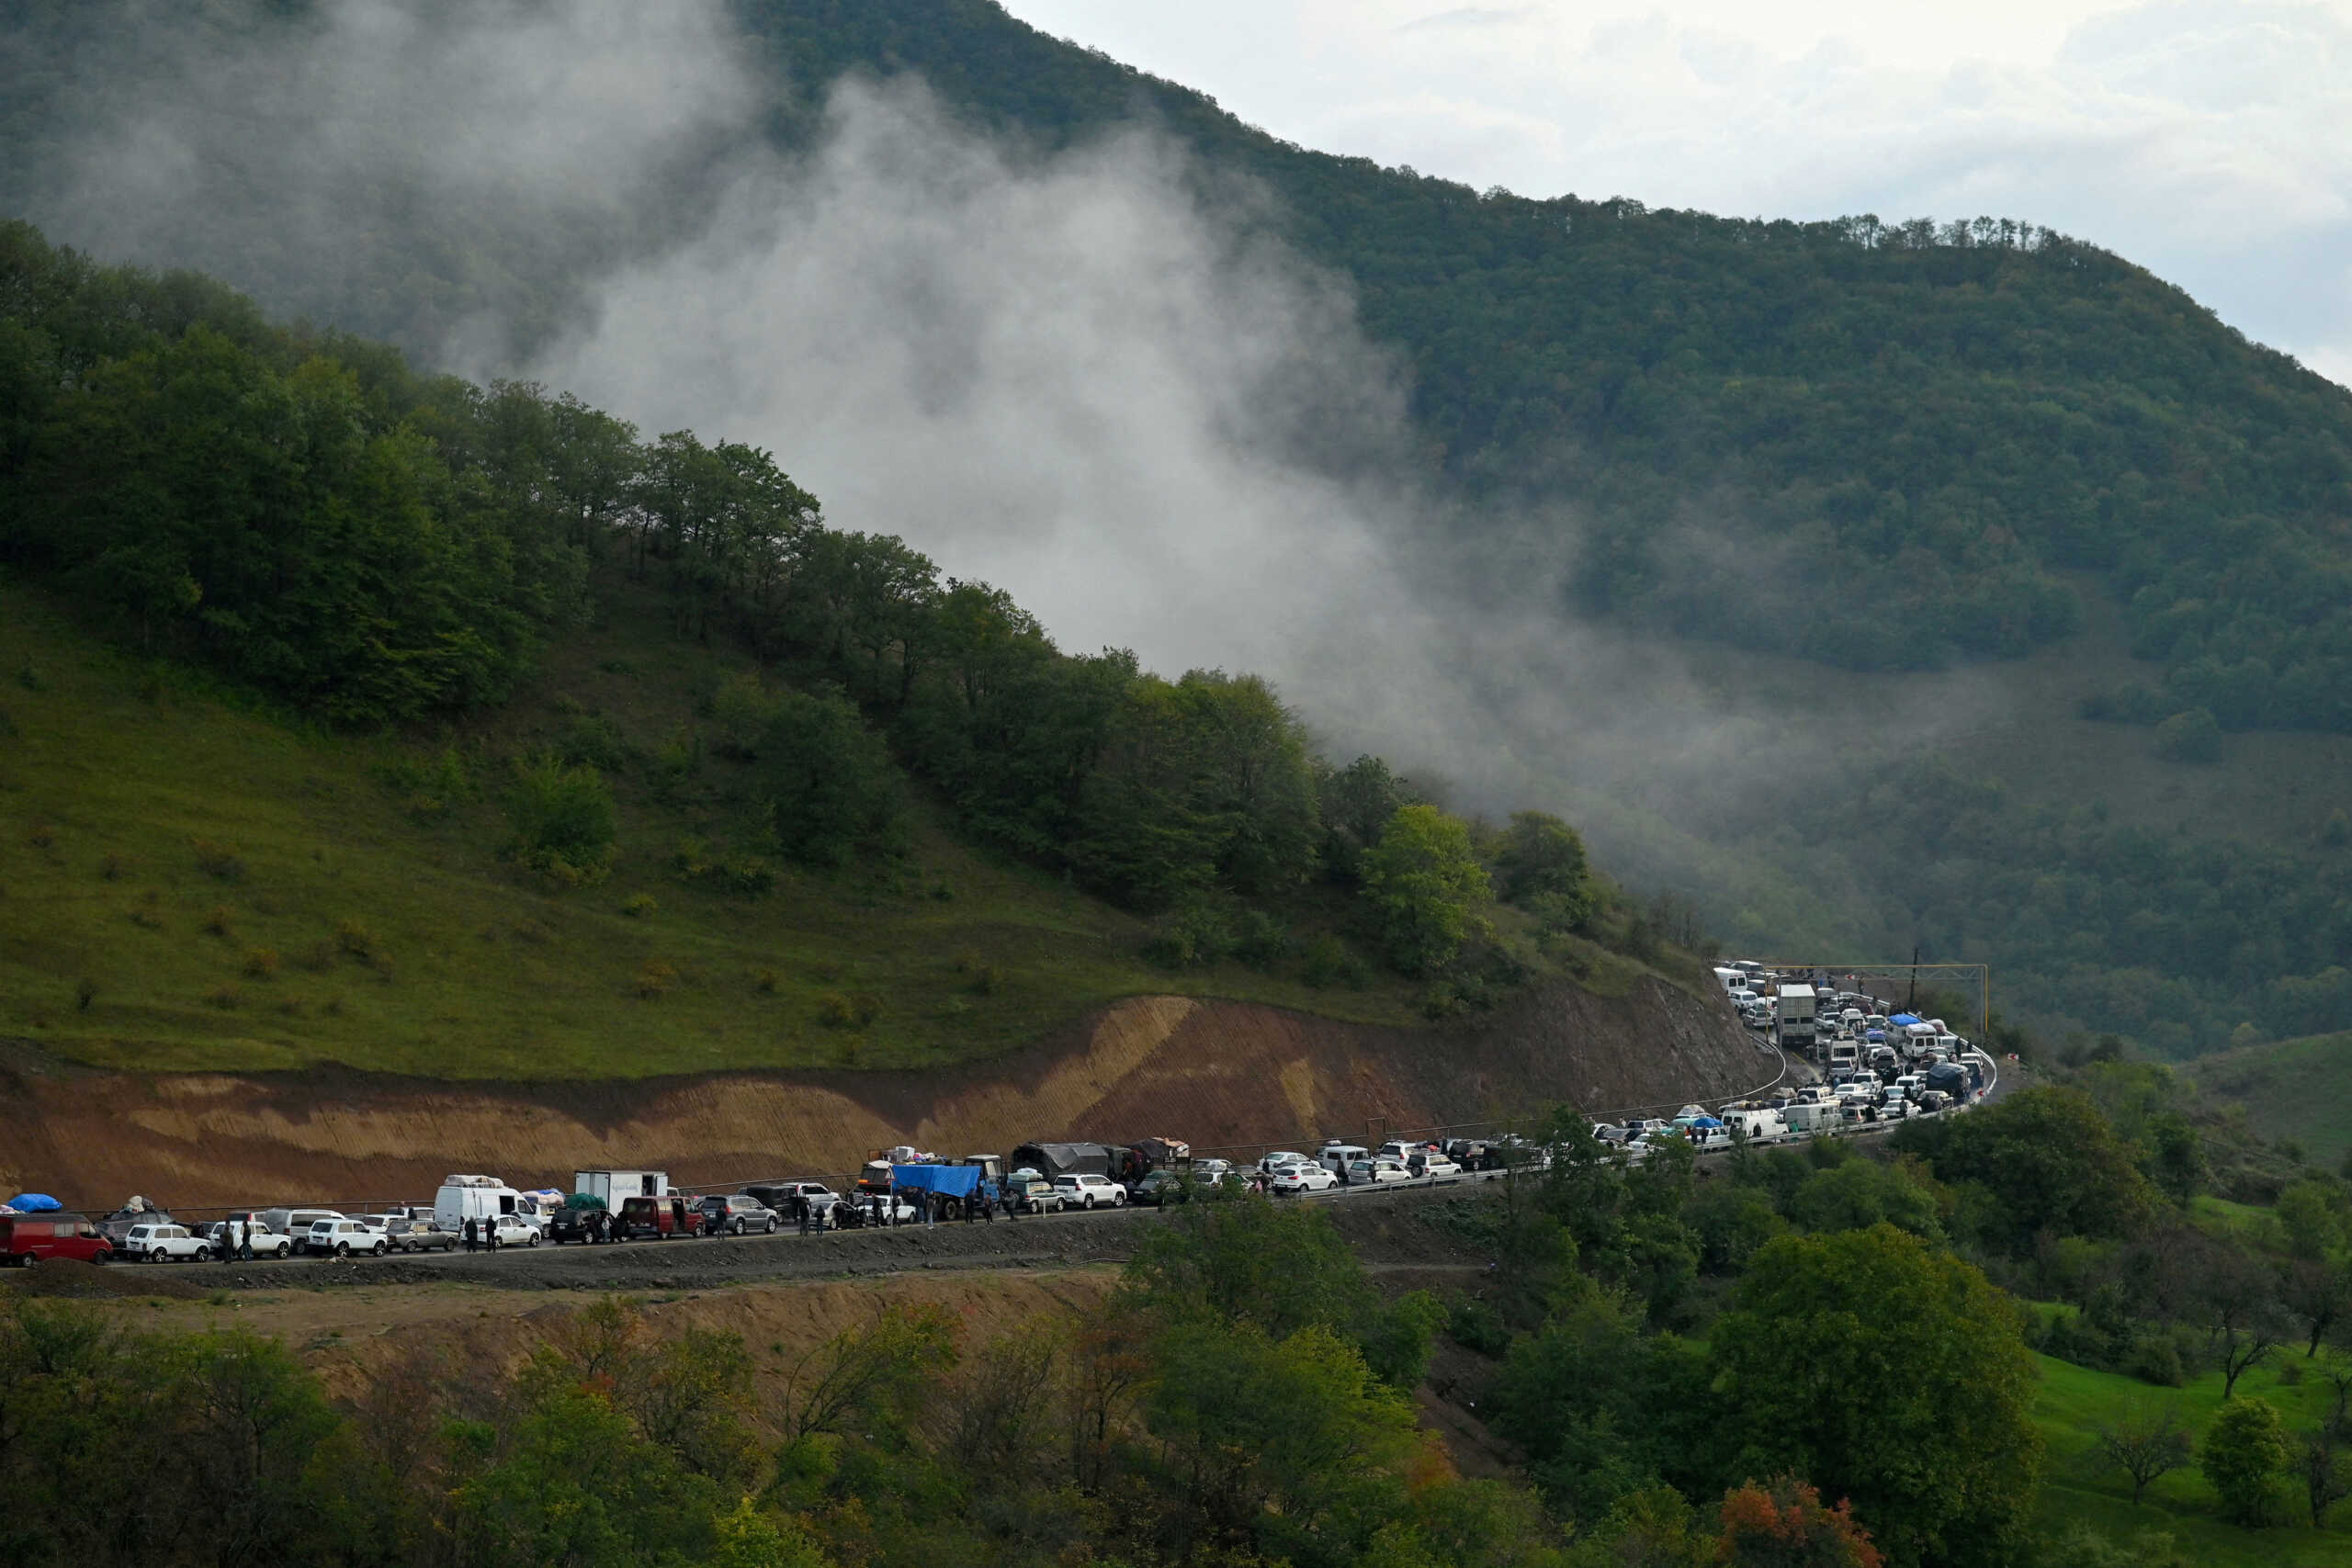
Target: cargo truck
x=1794 y=1024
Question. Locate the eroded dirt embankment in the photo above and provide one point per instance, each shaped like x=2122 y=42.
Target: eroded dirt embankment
x=1222 y=1074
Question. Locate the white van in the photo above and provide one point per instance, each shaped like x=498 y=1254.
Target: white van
x=1336 y=1157
x=1806 y=1120
x=1756 y=1126
x=1731 y=980
x=464 y=1197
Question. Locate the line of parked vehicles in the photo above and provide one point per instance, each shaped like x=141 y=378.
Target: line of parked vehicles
x=1869 y=1081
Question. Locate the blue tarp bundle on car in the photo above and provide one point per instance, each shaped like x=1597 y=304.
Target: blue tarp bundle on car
x=1904 y=1021
x=34 y=1203
x=953 y=1180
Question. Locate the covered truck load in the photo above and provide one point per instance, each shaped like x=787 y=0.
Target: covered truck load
x=1065 y=1159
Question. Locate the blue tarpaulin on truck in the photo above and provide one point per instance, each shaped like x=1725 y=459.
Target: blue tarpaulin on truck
x=952 y=1181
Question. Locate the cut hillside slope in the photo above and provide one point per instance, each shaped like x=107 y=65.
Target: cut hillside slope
x=1223 y=1074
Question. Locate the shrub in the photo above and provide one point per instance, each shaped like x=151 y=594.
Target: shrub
x=2155 y=1359
x=984 y=980
x=746 y=875
x=219 y=860
x=766 y=981
x=112 y=867
x=655 y=978
x=564 y=820
x=217 y=919
x=637 y=906
x=1475 y=1326
x=357 y=940
x=835 y=1011
x=1194 y=935
x=317 y=958
x=741 y=711
x=41 y=836
x=85 y=991
x=261 y=964
x=592 y=742
x=224 y=997
x=2189 y=736
x=1329 y=962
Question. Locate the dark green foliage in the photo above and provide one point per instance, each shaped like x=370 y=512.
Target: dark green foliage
x=563 y=818
x=2048 y=1159
x=1425 y=884
x=2189 y=736
x=2244 y=1457
x=1822 y=1326
x=825 y=779
x=2169 y=938
x=1540 y=865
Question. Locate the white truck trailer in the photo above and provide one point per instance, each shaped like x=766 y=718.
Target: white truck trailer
x=1796 y=1024
x=613 y=1186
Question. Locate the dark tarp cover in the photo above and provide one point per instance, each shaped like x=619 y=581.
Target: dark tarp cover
x=1065 y=1159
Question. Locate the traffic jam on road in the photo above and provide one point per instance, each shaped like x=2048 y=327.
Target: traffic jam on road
x=1846 y=1065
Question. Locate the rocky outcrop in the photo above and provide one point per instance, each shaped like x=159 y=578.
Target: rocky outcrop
x=1227 y=1076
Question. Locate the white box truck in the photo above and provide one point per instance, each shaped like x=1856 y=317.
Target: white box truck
x=477 y=1198
x=1794 y=1024
x=613 y=1186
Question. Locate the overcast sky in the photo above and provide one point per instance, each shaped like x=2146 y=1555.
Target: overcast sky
x=2210 y=141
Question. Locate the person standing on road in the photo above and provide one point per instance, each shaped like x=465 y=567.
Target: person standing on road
x=470 y=1232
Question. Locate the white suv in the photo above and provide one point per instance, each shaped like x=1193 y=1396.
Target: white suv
x=344 y=1237
x=162 y=1243
x=1090 y=1192
x=1298 y=1175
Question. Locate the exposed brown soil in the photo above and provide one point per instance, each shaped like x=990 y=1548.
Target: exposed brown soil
x=1221 y=1075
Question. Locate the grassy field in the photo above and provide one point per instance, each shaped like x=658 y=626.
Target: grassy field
x=2290 y=1089
x=2077 y=1487
x=185 y=885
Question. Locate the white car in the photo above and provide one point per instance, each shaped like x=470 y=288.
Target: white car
x=164 y=1244
x=344 y=1237
x=259 y=1238
x=1302 y=1176
x=1282 y=1157
x=513 y=1230
x=1090 y=1193
x=1369 y=1172
x=1433 y=1165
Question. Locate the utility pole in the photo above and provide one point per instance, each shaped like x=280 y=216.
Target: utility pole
x=1913 y=1005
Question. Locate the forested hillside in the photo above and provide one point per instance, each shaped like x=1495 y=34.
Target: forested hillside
x=304 y=521
x=1931 y=416
x=1865 y=446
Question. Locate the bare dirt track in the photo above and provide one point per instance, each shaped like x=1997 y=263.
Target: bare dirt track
x=1217 y=1074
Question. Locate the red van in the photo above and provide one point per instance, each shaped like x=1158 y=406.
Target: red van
x=659 y=1217
x=26 y=1239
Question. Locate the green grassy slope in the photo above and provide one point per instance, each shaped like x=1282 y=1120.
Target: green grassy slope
x=114 y=778
x=2074 y=1401
x=2290 y=1089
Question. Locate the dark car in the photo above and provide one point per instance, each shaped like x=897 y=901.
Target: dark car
x=736 y=1213
x=1160 y=1187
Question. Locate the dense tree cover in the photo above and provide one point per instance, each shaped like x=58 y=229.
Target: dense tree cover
x=1242 y=1422
x=372 y=546
x=2170 y=939
x=1935 y=418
